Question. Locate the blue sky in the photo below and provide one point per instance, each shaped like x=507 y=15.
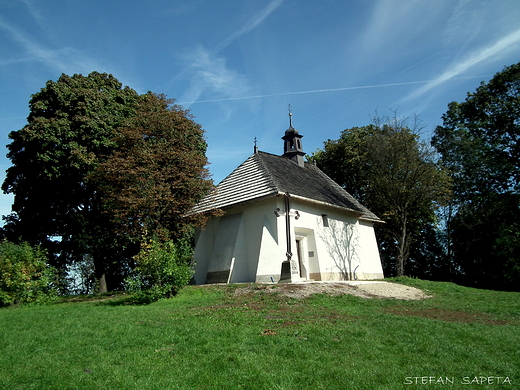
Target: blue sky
x=237 y=64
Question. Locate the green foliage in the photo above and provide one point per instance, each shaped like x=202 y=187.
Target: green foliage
x=479 y=143
x=25 y=276
x=71 y=126
x=157 y=172
x=98 y=167
x=163 y=268
x=479 y=138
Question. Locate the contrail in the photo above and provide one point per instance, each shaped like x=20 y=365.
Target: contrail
x=311 y=91
x=506 y=43
x=250 y=24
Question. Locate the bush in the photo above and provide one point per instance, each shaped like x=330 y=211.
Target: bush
x=25 y=276
x=163 y=268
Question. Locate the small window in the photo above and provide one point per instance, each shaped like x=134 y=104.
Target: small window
x=325 y=220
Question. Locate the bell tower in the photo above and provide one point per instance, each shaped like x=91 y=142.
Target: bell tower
x=292 y=147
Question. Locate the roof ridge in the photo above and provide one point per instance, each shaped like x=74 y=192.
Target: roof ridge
x=272 y=176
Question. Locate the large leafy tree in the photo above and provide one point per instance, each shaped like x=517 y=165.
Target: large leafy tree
x=479 y=143
x=71 y=124
x=156 y=173
x=388 y=169
x=99 y=169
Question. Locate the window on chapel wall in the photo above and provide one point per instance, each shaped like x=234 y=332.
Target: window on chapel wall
x=325 y=219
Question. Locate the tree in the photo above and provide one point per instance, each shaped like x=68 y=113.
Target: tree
x=70 y=125
x=388 y=169
x=99 y=168
x=156 y=173
x=479 y=143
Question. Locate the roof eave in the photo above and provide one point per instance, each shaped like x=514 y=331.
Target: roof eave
x=230 y=205
x=321 y=203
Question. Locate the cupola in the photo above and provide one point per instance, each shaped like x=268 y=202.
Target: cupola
x=292 y=147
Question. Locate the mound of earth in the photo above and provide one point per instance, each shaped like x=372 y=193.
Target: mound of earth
x=364 y=289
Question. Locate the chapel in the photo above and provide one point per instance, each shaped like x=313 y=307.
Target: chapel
x=284 y=220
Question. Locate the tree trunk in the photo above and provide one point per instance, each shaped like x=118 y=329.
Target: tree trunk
x=400 y=263
x=402 y=249
x=102 y=284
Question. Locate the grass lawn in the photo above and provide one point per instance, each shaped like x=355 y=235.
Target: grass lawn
x=208 y=337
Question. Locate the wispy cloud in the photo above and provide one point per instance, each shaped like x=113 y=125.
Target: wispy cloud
x=35 y=13
x=210 y=74
x=502 y=46
x=63 y=60
x=178 y=8
x=465 y=23
x=387 y=28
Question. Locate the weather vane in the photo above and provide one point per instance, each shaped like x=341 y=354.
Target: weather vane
x=290 y=115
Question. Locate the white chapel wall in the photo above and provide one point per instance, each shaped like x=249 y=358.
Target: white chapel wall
x=371 y=267
x=344 y=250
x=248 y=244
x=273 y=242
x=204 y=243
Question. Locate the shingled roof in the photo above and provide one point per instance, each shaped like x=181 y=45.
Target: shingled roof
x=265 y=175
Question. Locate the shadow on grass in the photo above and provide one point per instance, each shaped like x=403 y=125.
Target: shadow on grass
x=119 y=298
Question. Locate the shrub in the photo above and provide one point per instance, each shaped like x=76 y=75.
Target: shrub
x=163 y=268
x=25 y=276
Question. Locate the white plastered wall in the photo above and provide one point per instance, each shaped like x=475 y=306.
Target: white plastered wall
x=248 y=244
x=345 y=250
x=241 y=245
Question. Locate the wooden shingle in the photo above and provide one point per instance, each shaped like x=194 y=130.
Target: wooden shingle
x=265 y=175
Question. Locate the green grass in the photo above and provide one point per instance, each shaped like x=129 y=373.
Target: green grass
x=210 y=338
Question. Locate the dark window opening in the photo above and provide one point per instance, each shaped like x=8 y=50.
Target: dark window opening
x=325 y=220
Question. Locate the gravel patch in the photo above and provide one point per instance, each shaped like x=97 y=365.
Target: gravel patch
x=364 y=289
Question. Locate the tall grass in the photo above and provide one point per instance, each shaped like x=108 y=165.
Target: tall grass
x=211 y=338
